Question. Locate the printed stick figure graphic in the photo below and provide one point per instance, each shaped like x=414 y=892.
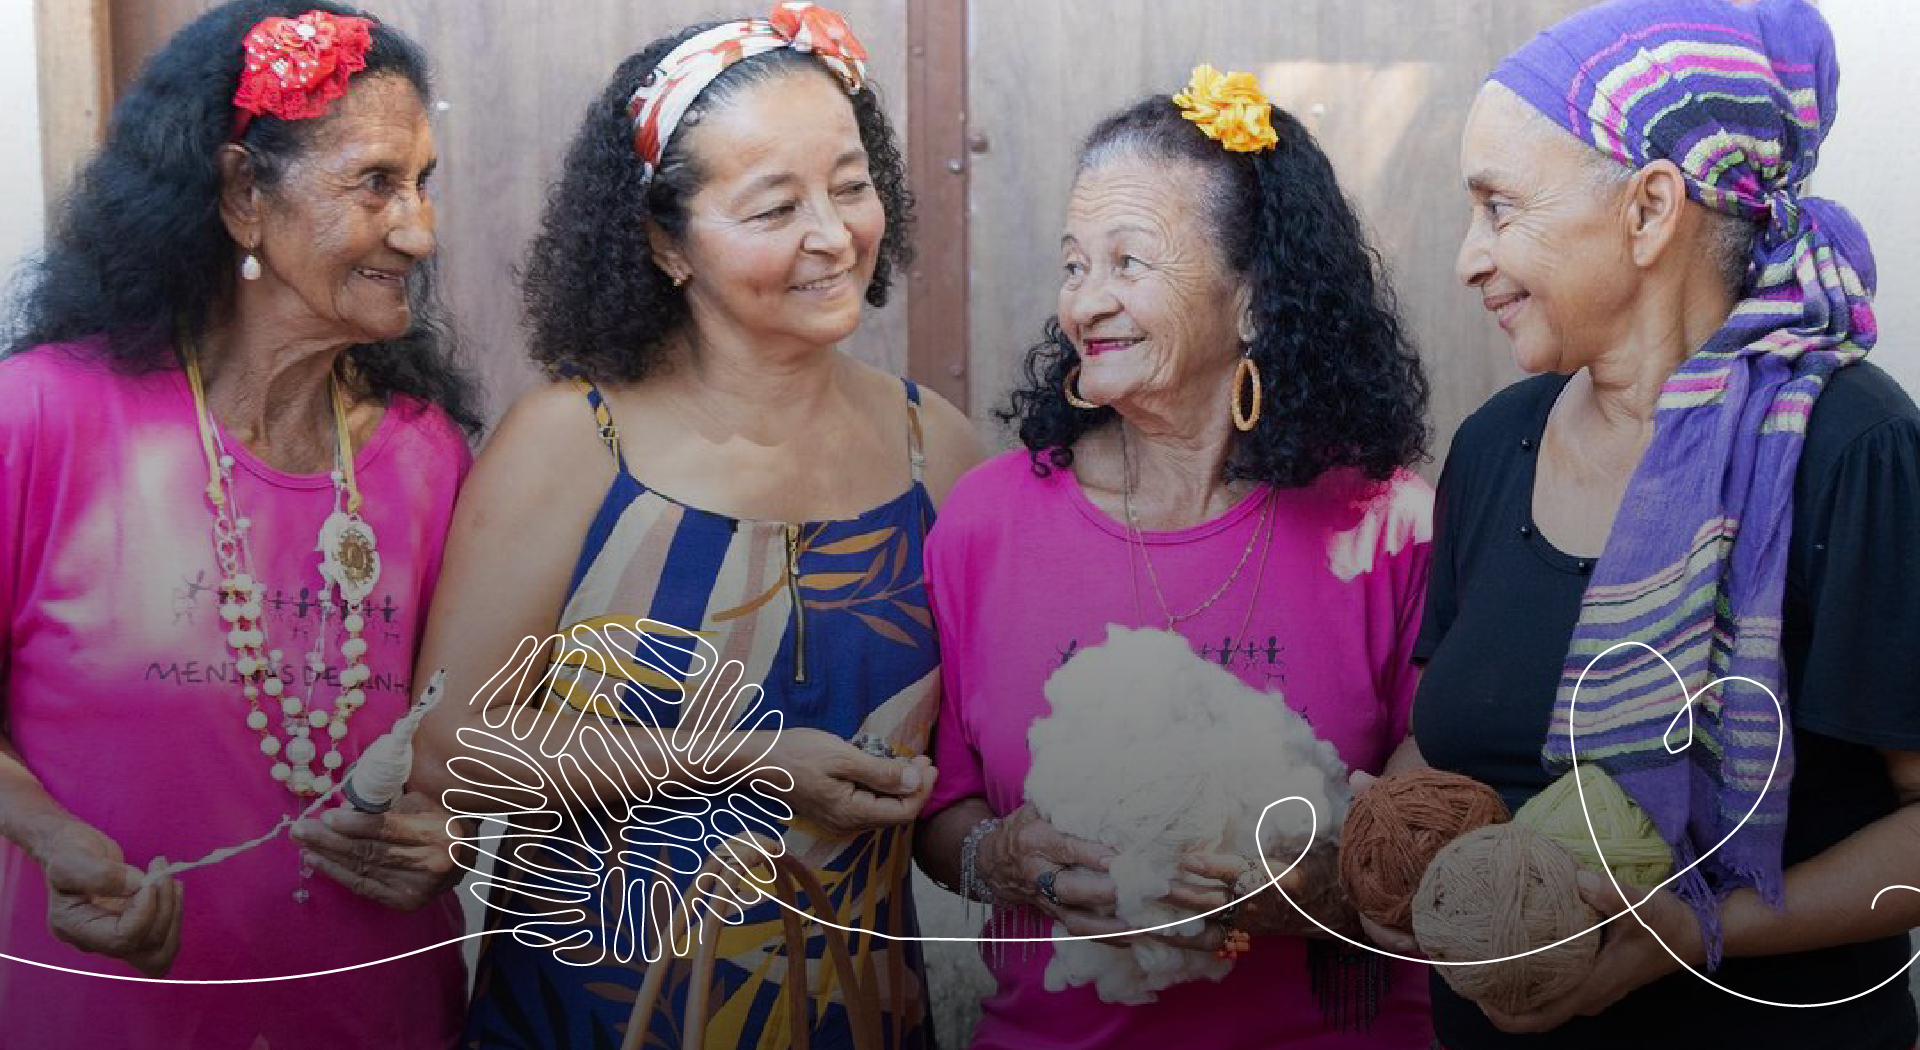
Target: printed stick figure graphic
x=1276 y=669
x=187 y=595
x=277 y=607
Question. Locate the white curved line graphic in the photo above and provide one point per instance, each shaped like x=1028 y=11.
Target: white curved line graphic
x=711 y=704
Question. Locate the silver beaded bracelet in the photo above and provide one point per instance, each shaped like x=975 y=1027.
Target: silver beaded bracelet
x=972 y=886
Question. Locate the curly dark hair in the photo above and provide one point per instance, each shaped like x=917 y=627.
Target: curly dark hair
x=1343 y=386
x=597 y=306
x=138 y=246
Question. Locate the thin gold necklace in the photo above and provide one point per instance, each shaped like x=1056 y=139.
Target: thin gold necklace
x=1135 y=537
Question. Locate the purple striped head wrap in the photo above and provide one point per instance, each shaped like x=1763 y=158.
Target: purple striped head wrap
x=1739 y=96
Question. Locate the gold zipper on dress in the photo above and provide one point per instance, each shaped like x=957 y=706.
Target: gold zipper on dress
x=799 y=610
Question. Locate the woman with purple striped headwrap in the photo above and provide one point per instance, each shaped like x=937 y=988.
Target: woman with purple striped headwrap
x=1709 y=484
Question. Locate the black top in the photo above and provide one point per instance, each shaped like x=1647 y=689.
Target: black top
x=1501 y=607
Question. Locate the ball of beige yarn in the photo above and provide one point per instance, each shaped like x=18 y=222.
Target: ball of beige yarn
x=1496 y=892
x=1397 y=826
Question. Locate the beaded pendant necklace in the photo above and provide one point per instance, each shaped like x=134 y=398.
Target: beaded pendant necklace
x=349 y=565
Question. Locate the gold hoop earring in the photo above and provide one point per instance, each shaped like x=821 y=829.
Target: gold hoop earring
x=1246 y=369
x=1073 y=396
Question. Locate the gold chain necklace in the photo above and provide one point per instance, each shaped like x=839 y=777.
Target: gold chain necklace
x=1136 y=538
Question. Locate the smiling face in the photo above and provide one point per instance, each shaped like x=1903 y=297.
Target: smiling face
x=1547 y=247
x=339 y=231
x=783 y=235
x=1145 y=296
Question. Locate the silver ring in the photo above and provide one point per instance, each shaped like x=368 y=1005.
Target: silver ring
x=1241 y=889
x=1044 y=882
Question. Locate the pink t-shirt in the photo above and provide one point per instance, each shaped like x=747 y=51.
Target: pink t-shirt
x=1024 y=571
x=119 y=692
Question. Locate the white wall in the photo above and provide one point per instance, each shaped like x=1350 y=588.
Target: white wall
x=22 y=197
x=1870 y=159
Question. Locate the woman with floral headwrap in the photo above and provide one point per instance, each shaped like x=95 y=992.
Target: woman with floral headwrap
x=1215 y=432
x=1709 y=470
x=227 y=363
x=727 y=474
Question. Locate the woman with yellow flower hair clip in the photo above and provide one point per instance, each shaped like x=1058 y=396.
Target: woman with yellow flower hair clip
x=1216 y=432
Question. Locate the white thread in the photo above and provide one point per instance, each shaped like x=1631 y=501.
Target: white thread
x=380 y=776
x=393 y=749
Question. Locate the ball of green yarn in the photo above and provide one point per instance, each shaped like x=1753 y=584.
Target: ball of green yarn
x=1634 y=851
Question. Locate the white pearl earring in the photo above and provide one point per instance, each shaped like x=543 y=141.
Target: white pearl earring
x=250 y=268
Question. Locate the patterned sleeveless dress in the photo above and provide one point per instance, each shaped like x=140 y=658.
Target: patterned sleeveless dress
x=831 y=618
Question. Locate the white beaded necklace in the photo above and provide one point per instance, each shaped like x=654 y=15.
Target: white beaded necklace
x=350 y=562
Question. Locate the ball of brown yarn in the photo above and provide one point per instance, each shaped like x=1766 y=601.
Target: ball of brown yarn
x=1497 y=892
x=1395 y=827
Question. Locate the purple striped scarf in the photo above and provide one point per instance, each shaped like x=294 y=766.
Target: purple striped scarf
x=1739 y=97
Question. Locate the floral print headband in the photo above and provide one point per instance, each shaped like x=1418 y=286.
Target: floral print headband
x=666 y=94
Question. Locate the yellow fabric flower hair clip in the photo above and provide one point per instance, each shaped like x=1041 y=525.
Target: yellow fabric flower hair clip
x=1230 y=108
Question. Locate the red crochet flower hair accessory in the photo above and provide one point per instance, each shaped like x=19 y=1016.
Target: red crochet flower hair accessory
x=296 y=66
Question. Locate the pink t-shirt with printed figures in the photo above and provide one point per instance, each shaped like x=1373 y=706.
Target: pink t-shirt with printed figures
x=120 y=693
x=1024 y=571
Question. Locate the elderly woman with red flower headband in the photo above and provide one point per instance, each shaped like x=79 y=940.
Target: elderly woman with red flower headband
x=730 y=201
x=223 y=363
x=1215 y=432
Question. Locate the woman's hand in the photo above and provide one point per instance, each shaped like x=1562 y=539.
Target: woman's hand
x=1386 y=938
x=1630 y=955
x=1273 y=906
x=99 y=903
x=1312 y=884
x=1197 y=896
x=844 y=790
x=1025 y=846
x=402 y=858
